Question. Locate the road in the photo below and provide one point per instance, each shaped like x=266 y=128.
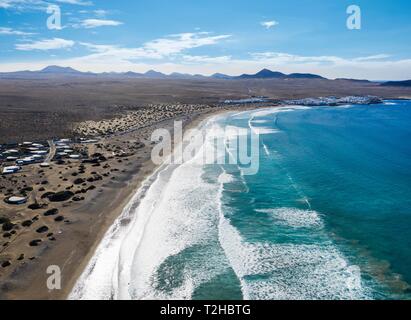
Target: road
x=52 y=151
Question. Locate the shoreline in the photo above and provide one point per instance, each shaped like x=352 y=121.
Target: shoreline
x=93 y=218
x=146 y=184
x=114 y=237
x=136 y=184
x=133 y=192
x=86 y=222
x=133 y=189
x=103 y=261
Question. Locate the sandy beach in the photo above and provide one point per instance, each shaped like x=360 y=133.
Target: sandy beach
x=64 y=232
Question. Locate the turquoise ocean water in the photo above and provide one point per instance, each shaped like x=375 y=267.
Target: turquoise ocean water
x=327 y=216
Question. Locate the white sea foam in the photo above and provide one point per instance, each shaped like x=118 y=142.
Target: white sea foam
x=271 y=111
x=163 y=225
x=240 y=115
x=345 y=106
x=225 y=178
x=290 y=271
x=257 y=130
x=99 y=279
x=183 y=216
x=295 y=218
x=260 y=121
x=173 y=227
x=264 y=130
x=178 y=210
x=266 y=150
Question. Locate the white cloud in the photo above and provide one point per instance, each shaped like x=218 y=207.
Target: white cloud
x=20 y=4
x=269 y=24
x=180 y=42
x=48 y=44
x=171 y=53
x=38 y=4
x=100 y=13
x=76 y=2
x=374 y=57
x=95 y=23
x=206 y=59
x=285 y=58
x=4 y=4
x=157 y=49
x=9 y=31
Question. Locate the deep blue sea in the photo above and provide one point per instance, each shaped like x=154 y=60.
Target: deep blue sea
x=327 y=216
x=329 y=213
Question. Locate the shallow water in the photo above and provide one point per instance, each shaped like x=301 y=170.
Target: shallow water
x=327 y=216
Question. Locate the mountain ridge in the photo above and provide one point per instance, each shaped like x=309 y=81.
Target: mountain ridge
x=405 y=83
x=58 y=71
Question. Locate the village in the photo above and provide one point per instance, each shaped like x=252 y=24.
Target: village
x=14 y=157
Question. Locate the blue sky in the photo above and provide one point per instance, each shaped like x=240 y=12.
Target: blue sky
x=208 y=36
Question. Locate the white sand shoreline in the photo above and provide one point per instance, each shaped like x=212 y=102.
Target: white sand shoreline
x=111 y=242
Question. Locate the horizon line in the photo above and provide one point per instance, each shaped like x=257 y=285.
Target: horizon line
x=190 y=74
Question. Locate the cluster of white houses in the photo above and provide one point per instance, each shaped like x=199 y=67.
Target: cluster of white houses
x=63 y=149
x=14 y=156
x=21 y=155
x=333 y=101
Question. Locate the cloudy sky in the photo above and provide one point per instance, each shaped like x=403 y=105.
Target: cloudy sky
x=208 y=36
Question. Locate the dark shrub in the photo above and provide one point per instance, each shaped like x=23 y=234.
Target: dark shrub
x=8 y=226
x=79 y=181
x=4 y=220
x=42 y=229
x=27 y=223
x=51 y=212
x=61 y=196
x=35 y=243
